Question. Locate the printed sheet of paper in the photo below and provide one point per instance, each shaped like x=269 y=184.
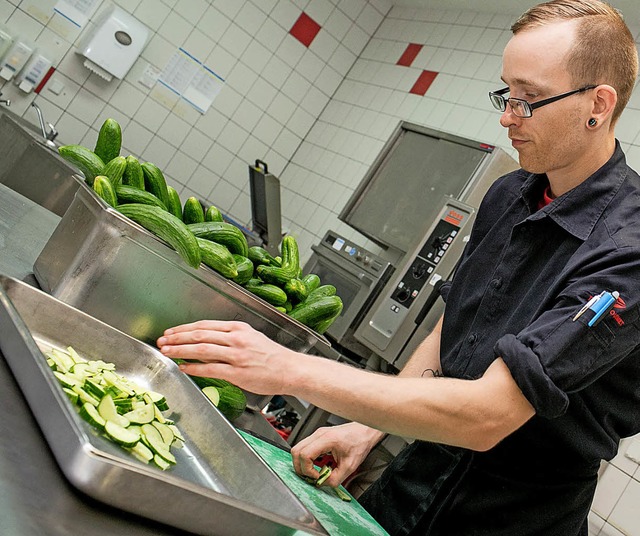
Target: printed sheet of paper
x=193 y=81
x=76 y=11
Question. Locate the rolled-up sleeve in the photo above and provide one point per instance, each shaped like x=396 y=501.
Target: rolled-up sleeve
x=555 y=355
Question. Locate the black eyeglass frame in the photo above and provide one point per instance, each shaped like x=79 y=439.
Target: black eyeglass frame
x=500 y=102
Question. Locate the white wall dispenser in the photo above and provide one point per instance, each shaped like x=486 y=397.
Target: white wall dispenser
x=15 y=59
x=5 y=40
x=33 y=73
x=112 y=46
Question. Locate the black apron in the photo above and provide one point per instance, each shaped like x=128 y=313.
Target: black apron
x=437 y=490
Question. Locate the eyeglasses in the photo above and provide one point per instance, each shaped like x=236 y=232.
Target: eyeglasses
x=522 y=108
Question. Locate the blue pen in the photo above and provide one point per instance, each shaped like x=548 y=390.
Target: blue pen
x=603 y=306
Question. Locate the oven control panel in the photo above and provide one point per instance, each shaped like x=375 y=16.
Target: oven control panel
x=425 y=263
x=394 y=316
x=345 y=249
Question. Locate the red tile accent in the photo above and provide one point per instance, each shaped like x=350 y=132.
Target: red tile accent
x=45 y=79
x=305 y=29
x=423 y=82
x=409 y=54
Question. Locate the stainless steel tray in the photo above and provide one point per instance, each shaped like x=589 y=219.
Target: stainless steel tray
x=218 y=486
x=34 y=170
x=110 y=267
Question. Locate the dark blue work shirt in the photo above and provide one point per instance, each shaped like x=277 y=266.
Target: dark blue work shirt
x=524 y=275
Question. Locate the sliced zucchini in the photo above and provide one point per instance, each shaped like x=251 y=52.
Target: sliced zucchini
x=165 y=432
x=161 y=462
x=212 y=394
x=67 y=380
x=90 y=414
x=84 y=396
x=141 y=415
x=108 y=411
x=142 y=452
x=119 y=434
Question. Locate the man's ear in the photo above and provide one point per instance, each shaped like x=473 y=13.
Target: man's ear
x=604 y=102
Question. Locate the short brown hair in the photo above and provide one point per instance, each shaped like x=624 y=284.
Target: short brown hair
x=604 y=52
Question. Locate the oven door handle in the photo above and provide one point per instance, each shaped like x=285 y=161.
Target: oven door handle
x=366 y=280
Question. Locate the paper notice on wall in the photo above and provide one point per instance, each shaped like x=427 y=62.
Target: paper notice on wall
x=193 y=81
x=76 y=11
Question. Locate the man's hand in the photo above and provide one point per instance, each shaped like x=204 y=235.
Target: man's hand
x=233 y=351
x=349 y=444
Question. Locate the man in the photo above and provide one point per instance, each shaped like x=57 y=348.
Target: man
x=537 y=390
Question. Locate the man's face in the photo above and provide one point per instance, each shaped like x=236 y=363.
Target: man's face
x=534 y=68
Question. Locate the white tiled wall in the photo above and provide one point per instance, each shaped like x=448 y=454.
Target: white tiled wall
x=318 y=116
x=275 y=87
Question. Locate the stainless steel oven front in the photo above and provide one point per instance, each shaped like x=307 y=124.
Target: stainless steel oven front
x=358 y=276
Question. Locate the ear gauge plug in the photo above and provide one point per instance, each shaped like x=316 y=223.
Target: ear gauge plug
x=592 y=122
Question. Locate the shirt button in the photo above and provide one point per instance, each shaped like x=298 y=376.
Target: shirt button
x=496 y=283
x=472 y=338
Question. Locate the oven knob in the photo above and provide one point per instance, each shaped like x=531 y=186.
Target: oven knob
x=403 y=295
x=359 y=256
x=367 y=260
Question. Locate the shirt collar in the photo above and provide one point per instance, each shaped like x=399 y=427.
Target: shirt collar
x=578 y=210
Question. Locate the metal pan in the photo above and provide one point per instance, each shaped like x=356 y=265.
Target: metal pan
x=219 y=486
x=110 y=267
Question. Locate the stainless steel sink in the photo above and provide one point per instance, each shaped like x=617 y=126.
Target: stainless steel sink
x=33 y=168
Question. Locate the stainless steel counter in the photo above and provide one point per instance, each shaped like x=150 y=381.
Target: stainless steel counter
x=35 y=497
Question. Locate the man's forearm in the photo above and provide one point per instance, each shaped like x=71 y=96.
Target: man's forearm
x=425 y=361
x=475 y=414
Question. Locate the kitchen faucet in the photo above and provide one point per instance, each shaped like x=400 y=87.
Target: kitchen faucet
x=48 y=136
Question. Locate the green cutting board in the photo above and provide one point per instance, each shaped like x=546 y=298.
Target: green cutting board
x=338 y=517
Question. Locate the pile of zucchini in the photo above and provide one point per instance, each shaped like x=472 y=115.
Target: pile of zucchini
x=140 y=192
x=122 y=411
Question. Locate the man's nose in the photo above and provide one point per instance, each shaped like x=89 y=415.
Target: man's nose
x=508 y=118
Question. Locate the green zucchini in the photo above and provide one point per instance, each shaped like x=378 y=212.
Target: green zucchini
x=115 y=170
x=192 y=211
x=130 y=194
x=231 y=399
x=290 y=264
x=324 y=325
x=109 y=140
x=102 y=186
x=232 y=402
x=155 y=182
x=310 y=314
x=167 y=227
x=218 y=257
x=290 y=254
x=213 y=214
x=312 y=281
x=88 y=162
x=321 y=292
x=133 y=175
x=269 y=293
x=202 y=381
x=174 y=206
x=245 y=269
x=222 y=233
x=259 y=255
x=296 y=289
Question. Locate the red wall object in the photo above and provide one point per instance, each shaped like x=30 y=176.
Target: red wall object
x=409 y=54
x=305 y=29
x=423 y=82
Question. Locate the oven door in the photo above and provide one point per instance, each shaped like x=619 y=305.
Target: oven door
x=353 y=286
